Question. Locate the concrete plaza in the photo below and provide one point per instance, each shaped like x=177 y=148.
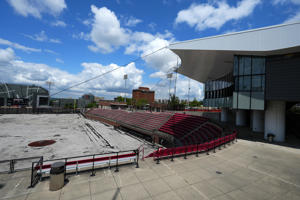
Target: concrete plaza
x=243 y=170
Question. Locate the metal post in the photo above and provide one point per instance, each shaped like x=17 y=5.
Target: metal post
x=109 y=162
x=224 y=142
x=157 y=156
x=219 y=139
x=137 y=158
x=11 y=166
x=66 y=160
x=117 y=167
x=32 y=168
x=172 y=158
x=207 y=149
x=185 y=149
x=214 y=145
x=197 y=153
x=93 y=169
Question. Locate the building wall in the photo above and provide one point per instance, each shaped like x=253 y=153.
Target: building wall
x=283 y=77
x=143 y=93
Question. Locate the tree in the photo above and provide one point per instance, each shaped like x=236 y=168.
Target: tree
x=141 y=103
x=92 y=105
x=175 y=104
x=196 y=103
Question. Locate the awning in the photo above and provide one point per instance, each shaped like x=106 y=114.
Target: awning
x=212 y=57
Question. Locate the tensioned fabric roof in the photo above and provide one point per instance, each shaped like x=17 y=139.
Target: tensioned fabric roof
x=212 y=57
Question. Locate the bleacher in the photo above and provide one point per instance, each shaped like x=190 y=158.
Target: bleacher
x=186 y=129
x=144 y=120
x=190 y=129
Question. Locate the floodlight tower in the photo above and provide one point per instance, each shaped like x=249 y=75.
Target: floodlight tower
x=125 y=79
x=189 y=92
x=169 y=76
x=49 y=83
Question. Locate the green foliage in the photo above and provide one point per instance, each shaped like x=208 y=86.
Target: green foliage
x=120 y=99
x=92 y=105
x=141 y=102
x=175 y=104
x=70 y=106
x=196 y=103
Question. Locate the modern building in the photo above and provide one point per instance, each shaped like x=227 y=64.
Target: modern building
x=143 y=93
x=23 y=95
x=254 y=73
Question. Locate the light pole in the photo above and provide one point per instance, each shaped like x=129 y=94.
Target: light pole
x=125 y=78
x=169 y=76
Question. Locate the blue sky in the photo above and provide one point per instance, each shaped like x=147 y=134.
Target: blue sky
x=66 y=41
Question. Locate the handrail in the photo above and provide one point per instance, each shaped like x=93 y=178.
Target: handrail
x=163 y=153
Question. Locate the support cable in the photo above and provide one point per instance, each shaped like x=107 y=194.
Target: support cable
x=100 y=75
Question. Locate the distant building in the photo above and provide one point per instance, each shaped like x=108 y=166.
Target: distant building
x=23 y=95
x=85 y=100
x=63 y=102
x=143 y=93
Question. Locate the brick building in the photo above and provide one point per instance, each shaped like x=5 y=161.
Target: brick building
x=143 y=93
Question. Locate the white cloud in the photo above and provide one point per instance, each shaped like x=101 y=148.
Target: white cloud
x=152 y=26
x=132 y=21
x=207 y=15
x=18 y=46
x=59 y=60
x=81 y=35
x=13 y=70
x=6 y=55
x=276 y=2
x=59 y=23
x=35 y=8
x=146 y=43
x=42 y=37
x=294 y=18
x=182 y=87
x=107 y=34
x=50 y=51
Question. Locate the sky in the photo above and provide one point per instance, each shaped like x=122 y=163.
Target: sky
x=66 y=42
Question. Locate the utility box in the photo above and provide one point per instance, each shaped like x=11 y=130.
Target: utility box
x=57 y=176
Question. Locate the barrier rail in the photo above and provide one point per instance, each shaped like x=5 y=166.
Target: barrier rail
x=92 y=162
x=197 y=148
x=35 y=176
x=13 y=165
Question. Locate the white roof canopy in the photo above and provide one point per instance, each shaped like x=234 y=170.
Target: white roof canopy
x=212 y=57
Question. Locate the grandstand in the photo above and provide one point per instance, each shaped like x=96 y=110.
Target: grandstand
x=176 y=129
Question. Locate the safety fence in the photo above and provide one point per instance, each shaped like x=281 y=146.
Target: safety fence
x=35 y=168
x=74 y=165
x=162 y=153
x=13 y=165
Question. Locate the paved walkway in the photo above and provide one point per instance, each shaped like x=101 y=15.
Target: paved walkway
x=244 y=170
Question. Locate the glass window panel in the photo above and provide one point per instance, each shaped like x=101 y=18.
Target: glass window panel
x=247 y=65
x=257 y=83
x=234 y=100
x=244 y=83
x=257 y=101
x=244 y=100
x=236 y=84
x=236 y=66
x=241 y=65
x=258 y=65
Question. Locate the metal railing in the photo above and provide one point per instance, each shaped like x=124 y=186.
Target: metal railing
x=74 y=165
x=161 y=153
x=13 y=165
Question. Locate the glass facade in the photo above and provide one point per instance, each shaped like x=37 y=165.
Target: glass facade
x=249 y=78
x=218 y=93
x=244 y=88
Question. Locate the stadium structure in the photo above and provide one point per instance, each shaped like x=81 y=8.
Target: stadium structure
x=253 y=74
x=23 y=95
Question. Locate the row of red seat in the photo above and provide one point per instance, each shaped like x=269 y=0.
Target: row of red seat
x=168 y=152
x=144 y=120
